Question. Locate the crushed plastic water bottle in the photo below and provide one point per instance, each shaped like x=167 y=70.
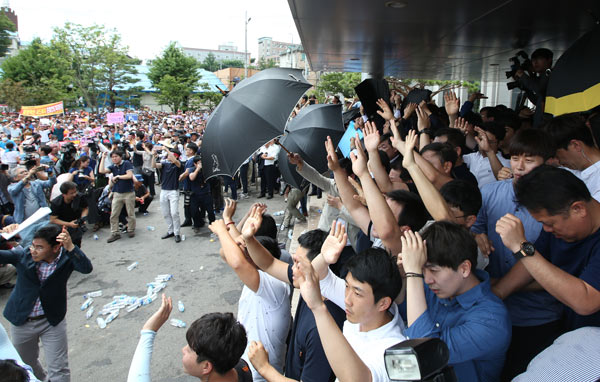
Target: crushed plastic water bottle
x=96 y=293
x=290 y=234
x=163 y=278
x=133 y=307
x=180 y=306
x=177 y=323
x=89 y=313
x=150 y=228
x=95 y=237
x=111 y=317
x=87 y=303
x=101 y=323
x=182 y=237
x=132 y=266
x=278 y=213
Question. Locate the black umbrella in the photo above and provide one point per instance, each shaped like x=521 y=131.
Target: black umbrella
x=309 y=130
x=253 y=113
x=288 y=170
x=574 y=84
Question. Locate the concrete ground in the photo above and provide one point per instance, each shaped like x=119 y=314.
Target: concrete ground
x=200 y=279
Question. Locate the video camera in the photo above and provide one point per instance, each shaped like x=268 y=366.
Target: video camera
x=518 y=65
x=196 y=158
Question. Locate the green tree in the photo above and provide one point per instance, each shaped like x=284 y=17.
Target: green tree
x=266 y=64
x=338 y=82
x=206 y=99
x=232 y=64
x=176 y=75
x=99 y=62
x=118 y=73
x=6 y=26
x=210 y=63
x=44 y=73
x=13 y=94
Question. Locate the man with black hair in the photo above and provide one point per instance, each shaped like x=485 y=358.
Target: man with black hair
x=122 y=192
x=215 y=343
x=457 y=305
x=264 y=305
x=511 y=122
x=367 y=295
x=70 y=210
x=191 y=150
x=305 y=358
x=535 y=87
x=565 y=258
x=483 y=163
x=442 y=157
x=169 y=192
x=138 y=159
x=576 y=149
x=535 y=315
x=455 y=138
x=37 y=306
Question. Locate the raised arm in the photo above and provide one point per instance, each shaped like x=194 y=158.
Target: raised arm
x=101 y=167
x=259 y=254
x=484 y=145
x=235 y=257
x=372 y=138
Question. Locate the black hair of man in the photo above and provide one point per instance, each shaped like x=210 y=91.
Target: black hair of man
x=474 y=118
x=140 y=134
x=49 y=233
x=443 y=151
x=377 y=268
x=312 y=241
x=532 y=142
x=542 y=53
x=495 y=128
x=463 y=195
x=192 y=146
x=510 y=119
x=551 y=189
x=594 y=122
x=453 y=136
x=12 y=372
x=46 y=150
x=565 y=128
x=413 y=214
x=67 y=186
x=267 y=227
x=270 y=245
x=449 y=245
x=385 y=160
x=386 y=137
x=397 y=165
x=346 y=164
x=490 y=111
x=218 y=338
x=117 y=152
x=10 y=145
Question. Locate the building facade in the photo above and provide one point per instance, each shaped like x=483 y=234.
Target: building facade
x=272 y=50
x=225 y=52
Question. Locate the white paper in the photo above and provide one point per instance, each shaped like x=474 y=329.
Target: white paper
x=39 y=214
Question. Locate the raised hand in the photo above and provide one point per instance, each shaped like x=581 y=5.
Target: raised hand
x=451 y=102
x=334 y=244
x=409 y=109
x=385 y=112
x=229 y=210
x=505 y=173
x=258 y=355
x=218 y=227
x=423 y=121
x=476 y=96
x=360 y=194
x=414 y=252
x=253 y=222
x=307 y=278
x=396 y=140
x=511 y=231
x=65 y=239
x=358 y=158
x=332 y=159
x=371 y=136
x=409 y=155
x=160 y=316
x=482 y=140
x=296 y=159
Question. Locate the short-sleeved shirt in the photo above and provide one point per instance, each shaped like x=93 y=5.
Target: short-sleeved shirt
x=580 y=259
x=123 y=185
x=82 y=181
x=59 y=133
x=305 y=359
x=68 y=211
x=138 y=159
x=190 y=167
x=199 y=186
x=170 y=175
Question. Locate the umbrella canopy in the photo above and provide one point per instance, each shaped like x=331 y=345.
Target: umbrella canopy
x=309 y=130
x=574 y=84
x=288 y=170
x=253 y=113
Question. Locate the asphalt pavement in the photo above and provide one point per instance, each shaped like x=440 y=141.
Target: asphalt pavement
x=201 y=280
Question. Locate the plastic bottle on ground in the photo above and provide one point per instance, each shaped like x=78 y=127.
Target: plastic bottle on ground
x=96 y=293
x=132 y=266
x=177 y=323
x=180 y=306
x=150 y=228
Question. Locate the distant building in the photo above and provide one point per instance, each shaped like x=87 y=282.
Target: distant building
x=272 y=50
x=231 y=76
x=225 y=52
x=15 y=41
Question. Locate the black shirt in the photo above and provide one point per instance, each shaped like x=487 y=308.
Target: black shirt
x=462 y=172
x=68 y=211
x=122 y=185
x=138 y=159
x=170 y=175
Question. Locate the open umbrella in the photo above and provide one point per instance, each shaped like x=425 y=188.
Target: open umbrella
x=253 y=113
x=288 y=170
x=574 y=84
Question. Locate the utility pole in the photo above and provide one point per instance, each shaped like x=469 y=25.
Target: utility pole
x=246 y=21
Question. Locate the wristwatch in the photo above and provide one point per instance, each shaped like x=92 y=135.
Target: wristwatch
x=527 y=249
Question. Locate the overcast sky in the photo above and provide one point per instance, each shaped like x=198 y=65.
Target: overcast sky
x=148 y=26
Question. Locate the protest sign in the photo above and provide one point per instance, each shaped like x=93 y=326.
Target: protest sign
x=113 y=118
x=43 y=110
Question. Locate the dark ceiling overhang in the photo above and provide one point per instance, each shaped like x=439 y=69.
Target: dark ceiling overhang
x=456 y=39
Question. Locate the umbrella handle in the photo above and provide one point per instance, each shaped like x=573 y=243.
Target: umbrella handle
x=282 y=146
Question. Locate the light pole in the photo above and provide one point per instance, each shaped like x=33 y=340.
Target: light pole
x=246 y=21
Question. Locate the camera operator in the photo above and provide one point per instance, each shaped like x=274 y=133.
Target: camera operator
x=70 y=210
x=27 y=192
x=6 y=203
x=67 y=157
x=535 y=82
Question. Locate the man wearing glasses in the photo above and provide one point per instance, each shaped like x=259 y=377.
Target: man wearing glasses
x=37 y=306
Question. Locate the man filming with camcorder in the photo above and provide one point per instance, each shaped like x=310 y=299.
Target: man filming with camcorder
x=532 y=77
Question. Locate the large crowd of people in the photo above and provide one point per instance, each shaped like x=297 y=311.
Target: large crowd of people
x=479 y=228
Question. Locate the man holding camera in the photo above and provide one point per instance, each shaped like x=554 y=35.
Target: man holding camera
x=27 y=192
x=70 y=210
x=169 y=193
x=123 y=194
